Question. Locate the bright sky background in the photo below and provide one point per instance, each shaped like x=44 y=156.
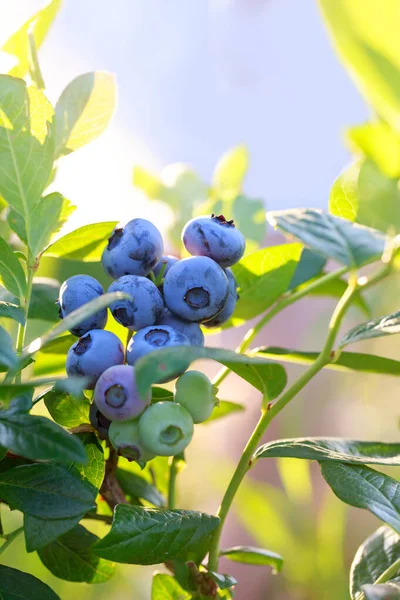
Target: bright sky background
x=194 y=80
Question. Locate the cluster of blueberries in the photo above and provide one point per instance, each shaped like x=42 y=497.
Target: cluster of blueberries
x=170 y=298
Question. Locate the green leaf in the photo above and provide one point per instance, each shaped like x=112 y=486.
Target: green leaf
x=268 y=377
x=38 y=25
x=159 y=394
x=45 y=491
x=148 y=536
x=70 y=557
x=309 y=266
x=43 y=306
x=382 y=591
x=3 y=452
x=8 y=358
x=67 y=410
x=224 y=581
x=26 y=145
x=347 y=361
x=381 y=326
x=230 y=172
x=333 y=449
x=84 y=110
x=39 y=438
x=8 y=310
x=137 y=487
x=250 y=555
x=345 y=242
x=85 y=243
x=15 y=584
x=11 y=272
x=223 y=409
x=379 y=142
x=48 y=216
x=166 y=587
x=363 y=487
x=73 y=319
x=262 y=277
x=92 y=470
x=368 y=44
x=363 y=194
x=40 y=532
x=249 y=216
x=375 y=555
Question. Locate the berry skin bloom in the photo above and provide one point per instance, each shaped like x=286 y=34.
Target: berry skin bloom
x=124 y=437
x=216 y=238
x=191 y=330
x=230 y=305
x=74 y=293
x=196 y=289
x=166 y=428
x=134 y=249
x=93 y=353
x=146 y=305
x=116 y=394
x=149 y=339
x=197 y=394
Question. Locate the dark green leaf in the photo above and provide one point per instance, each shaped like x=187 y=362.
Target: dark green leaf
x=333 y=449
x=8 y=358
x=92 y=470
x=223 y=409
x=224 y=581
x=388 y=325
x=8 y=310
x=363 y=487
x=73 y=319
x=86 y=243
x=375 y=555
x=137 y=487
x=148 y=536
x=40 y=532
x=250 y=555
x=336 y=238
x=43 y=300
x=309 y=266
x=39 y=438
x=45 y=491
x=166 y=587
x=382 y=591
x=70 y=557
x=347 y=361
x=38 y=25
x=262 y=277
x=84 y=110
x=17 y=585
x=159 y=394
x=20 y=404
x=11 y=272
x=264 y=375
x=67 y=410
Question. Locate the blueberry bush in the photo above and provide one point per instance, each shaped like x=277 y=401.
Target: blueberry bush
x=114 y=367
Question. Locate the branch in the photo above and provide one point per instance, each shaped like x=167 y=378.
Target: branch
x=110 y=488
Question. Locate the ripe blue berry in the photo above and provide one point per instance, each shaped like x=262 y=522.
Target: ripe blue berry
x=166 y=428
x=230 y=305
x=197 y=394
x=146 y=305
x=93 y=353
x=116 y=394
x=134 y=249
x=74 y=293
x=154 y=338
x=99 y=421
x=191 y=330
x=196 y=289
x=216 y=238
x=124 y=437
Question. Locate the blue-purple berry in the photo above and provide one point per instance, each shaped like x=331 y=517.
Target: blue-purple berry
x=230 y=304
x=144 y=309
x=74 y=293
x=116 y=394
x=191 y=330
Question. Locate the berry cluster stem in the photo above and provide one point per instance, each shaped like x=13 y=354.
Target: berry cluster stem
x=270 y=412
x=173 y=472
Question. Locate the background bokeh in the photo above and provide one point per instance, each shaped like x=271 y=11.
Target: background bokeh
x=194 y=80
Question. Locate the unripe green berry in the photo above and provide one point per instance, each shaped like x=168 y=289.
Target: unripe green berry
x=165 y=428
x=124 y=437
x=197 y=394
